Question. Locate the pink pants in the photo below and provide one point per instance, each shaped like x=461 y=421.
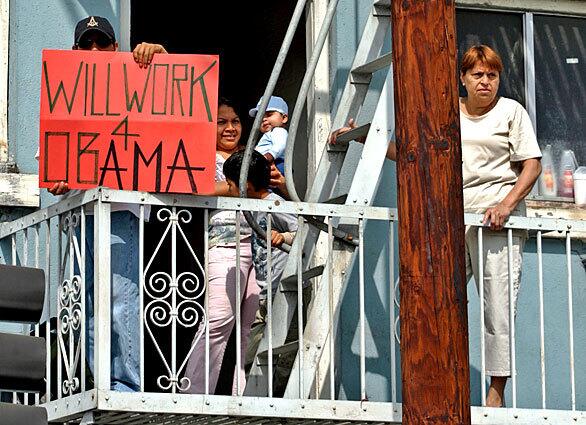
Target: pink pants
x=222 y=316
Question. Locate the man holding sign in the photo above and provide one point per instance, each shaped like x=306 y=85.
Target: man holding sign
x=105 y=123
x=96 y=34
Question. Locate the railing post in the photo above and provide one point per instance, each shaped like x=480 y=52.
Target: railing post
x=102 y=289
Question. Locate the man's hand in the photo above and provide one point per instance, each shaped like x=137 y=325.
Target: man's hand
x=278 y=182
x=351 y=125
x=59 y=188
x=144 y=52
x=497 y=216
x=277 y=239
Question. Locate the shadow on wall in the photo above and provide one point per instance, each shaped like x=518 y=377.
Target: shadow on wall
x=377 y=301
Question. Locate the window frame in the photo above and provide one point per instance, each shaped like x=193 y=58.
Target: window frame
x=124 y=32
x=4 y=44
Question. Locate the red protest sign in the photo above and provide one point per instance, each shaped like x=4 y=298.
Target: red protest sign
x=107 y=122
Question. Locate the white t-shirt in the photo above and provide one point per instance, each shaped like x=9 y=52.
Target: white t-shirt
x=273 y=142
x=491 y=144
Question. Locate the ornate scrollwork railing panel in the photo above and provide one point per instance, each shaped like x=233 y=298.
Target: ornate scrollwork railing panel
x=173 y=299
x=70 y=308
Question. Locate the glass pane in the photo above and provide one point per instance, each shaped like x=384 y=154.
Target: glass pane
x=560 y=84
x=504 y=33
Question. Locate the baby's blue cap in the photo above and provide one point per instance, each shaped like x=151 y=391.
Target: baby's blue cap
x=276 y=103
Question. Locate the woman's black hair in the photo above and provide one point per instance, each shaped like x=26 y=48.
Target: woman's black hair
x=259 y=172
x=224 y=101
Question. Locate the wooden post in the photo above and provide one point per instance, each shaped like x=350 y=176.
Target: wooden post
x=434 y=325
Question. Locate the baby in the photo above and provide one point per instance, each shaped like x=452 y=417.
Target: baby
x=274 y=139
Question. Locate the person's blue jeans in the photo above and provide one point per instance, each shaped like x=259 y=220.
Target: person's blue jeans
x=125 y=328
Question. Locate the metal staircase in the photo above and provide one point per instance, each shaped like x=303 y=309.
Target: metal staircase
x=329 y=186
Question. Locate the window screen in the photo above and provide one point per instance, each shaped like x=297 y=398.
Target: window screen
x=560 y=84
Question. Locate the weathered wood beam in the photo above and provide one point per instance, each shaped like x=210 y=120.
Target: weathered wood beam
x=434 y=325
x=19 y=190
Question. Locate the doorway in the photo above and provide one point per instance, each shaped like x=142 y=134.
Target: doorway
x=247 y=37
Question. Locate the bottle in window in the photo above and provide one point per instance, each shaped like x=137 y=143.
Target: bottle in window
x=580 y=186
x=547 y=180
x=568 y=165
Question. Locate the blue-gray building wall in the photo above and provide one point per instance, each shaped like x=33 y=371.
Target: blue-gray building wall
x=38 y=24
x=349 y=22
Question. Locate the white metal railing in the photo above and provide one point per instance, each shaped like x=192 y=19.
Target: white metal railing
x=565 y=230
x=174 y=302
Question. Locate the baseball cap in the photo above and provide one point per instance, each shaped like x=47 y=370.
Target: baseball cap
x=276 y=103
x=94 y=23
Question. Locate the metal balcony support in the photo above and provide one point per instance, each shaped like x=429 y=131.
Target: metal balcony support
x=102 y=291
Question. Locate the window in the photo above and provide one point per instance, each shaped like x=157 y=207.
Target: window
x=560 y=87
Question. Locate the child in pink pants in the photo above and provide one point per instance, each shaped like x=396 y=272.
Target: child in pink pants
x=223 y=298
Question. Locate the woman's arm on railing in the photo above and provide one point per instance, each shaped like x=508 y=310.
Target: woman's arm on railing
x=530 y=170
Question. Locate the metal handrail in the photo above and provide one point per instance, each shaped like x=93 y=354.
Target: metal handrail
x=545 y=224
x=294 y=125
x=106 y=195
x=251 y=143
x=296 y=118
x=27 y=235
x=301 y=98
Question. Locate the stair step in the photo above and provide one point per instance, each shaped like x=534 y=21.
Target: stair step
x=355 y=133
x=318 y=223
x=289 y=283
x=338 y=200
x=343 y=140
x=289 y=347
x=328 y=182
x=362 y=74
x=339 y=147
x=382 y=10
